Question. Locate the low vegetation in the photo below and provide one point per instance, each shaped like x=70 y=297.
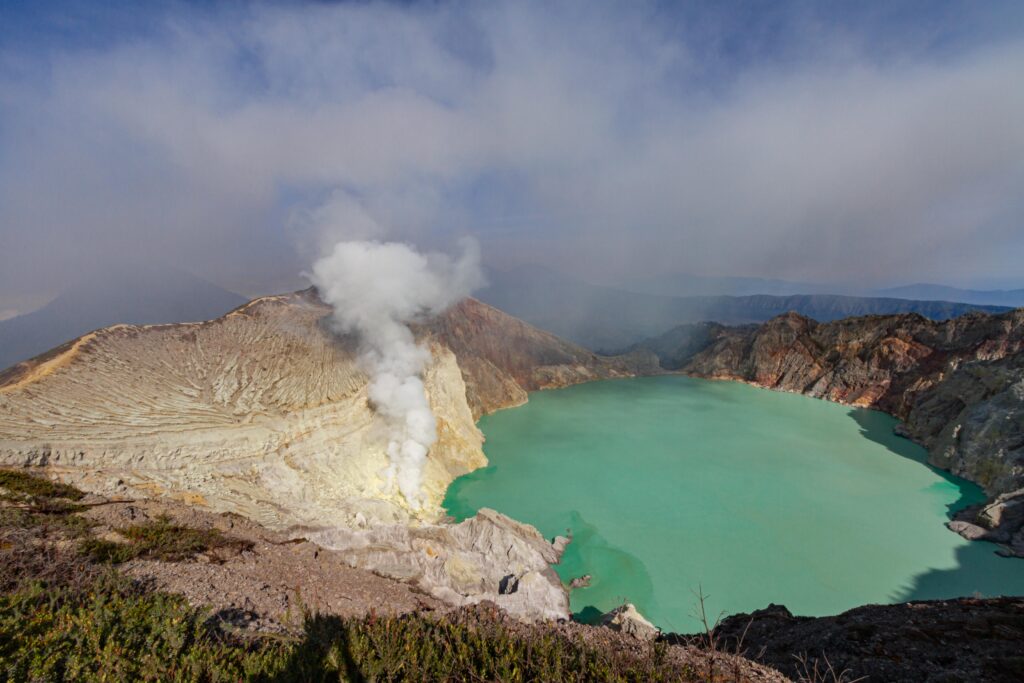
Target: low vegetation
x=118 y=631
x=17 y=483
x=160 y=539
x=66 y=613
x=33 y=503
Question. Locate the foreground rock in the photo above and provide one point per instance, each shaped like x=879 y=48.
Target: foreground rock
x=999 y=521
x=627 y=619
x=267 y=587
x=487 y=557
x=389 y=570
x=944 y=640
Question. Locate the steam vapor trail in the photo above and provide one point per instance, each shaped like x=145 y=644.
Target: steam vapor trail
x=376 y=289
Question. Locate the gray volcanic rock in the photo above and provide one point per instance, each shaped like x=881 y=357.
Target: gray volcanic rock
x=627 y=619
x=972 y=532
x=998 y=521
x=973 y=422
x=487 y=557
x=966 y=639
x=958 y=385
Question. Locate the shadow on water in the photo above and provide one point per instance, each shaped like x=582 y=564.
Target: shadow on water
x=977 y=573
x=977 y=570
x=588 y=615
x=878 y=427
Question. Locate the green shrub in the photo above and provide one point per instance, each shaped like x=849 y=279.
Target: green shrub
x=160 y=539
x=115 y=632
x=25 y=484
x=469 y=645
x=107 y=552
x=44 y=515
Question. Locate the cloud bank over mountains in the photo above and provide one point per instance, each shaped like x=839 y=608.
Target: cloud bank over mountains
x=604 y=139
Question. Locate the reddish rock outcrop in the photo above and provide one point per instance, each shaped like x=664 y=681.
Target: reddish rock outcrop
x=503 y=357
x=956 y=384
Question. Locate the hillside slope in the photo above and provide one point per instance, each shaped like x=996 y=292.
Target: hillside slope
x=264 y=412
x=993 y=297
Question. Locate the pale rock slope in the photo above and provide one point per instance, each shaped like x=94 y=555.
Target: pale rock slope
x=263 y=412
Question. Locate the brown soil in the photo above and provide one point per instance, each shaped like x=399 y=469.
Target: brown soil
x=267 y=587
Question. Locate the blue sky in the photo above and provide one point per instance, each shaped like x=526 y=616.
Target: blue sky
x=867 y=143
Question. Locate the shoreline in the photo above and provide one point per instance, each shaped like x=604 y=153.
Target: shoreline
x=922 y=459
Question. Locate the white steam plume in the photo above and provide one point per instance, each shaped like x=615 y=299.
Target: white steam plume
x=376 y=289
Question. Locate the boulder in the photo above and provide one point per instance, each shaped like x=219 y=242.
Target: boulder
x=580 y=581
x=626 y=619
x=972 y=532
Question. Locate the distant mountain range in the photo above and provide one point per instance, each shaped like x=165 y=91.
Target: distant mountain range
x=599 y=317
x=1014 y=298
x=610 y=319
x=684 y=284
x=134 y=295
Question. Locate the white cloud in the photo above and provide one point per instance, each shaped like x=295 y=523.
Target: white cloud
x=591 y=135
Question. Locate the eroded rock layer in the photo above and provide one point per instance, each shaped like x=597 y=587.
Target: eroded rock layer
x=263 y=412
x=958 y=385
x=503 y=357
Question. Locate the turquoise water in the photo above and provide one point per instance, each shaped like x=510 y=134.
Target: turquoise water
x=673 y=486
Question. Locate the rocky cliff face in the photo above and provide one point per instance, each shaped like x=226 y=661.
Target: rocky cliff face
x=957 y=385
x=263 y=412
x=487 y=557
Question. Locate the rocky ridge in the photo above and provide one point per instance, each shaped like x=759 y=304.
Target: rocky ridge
x=263 y=413
x=968 y=639
x=957 y=386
